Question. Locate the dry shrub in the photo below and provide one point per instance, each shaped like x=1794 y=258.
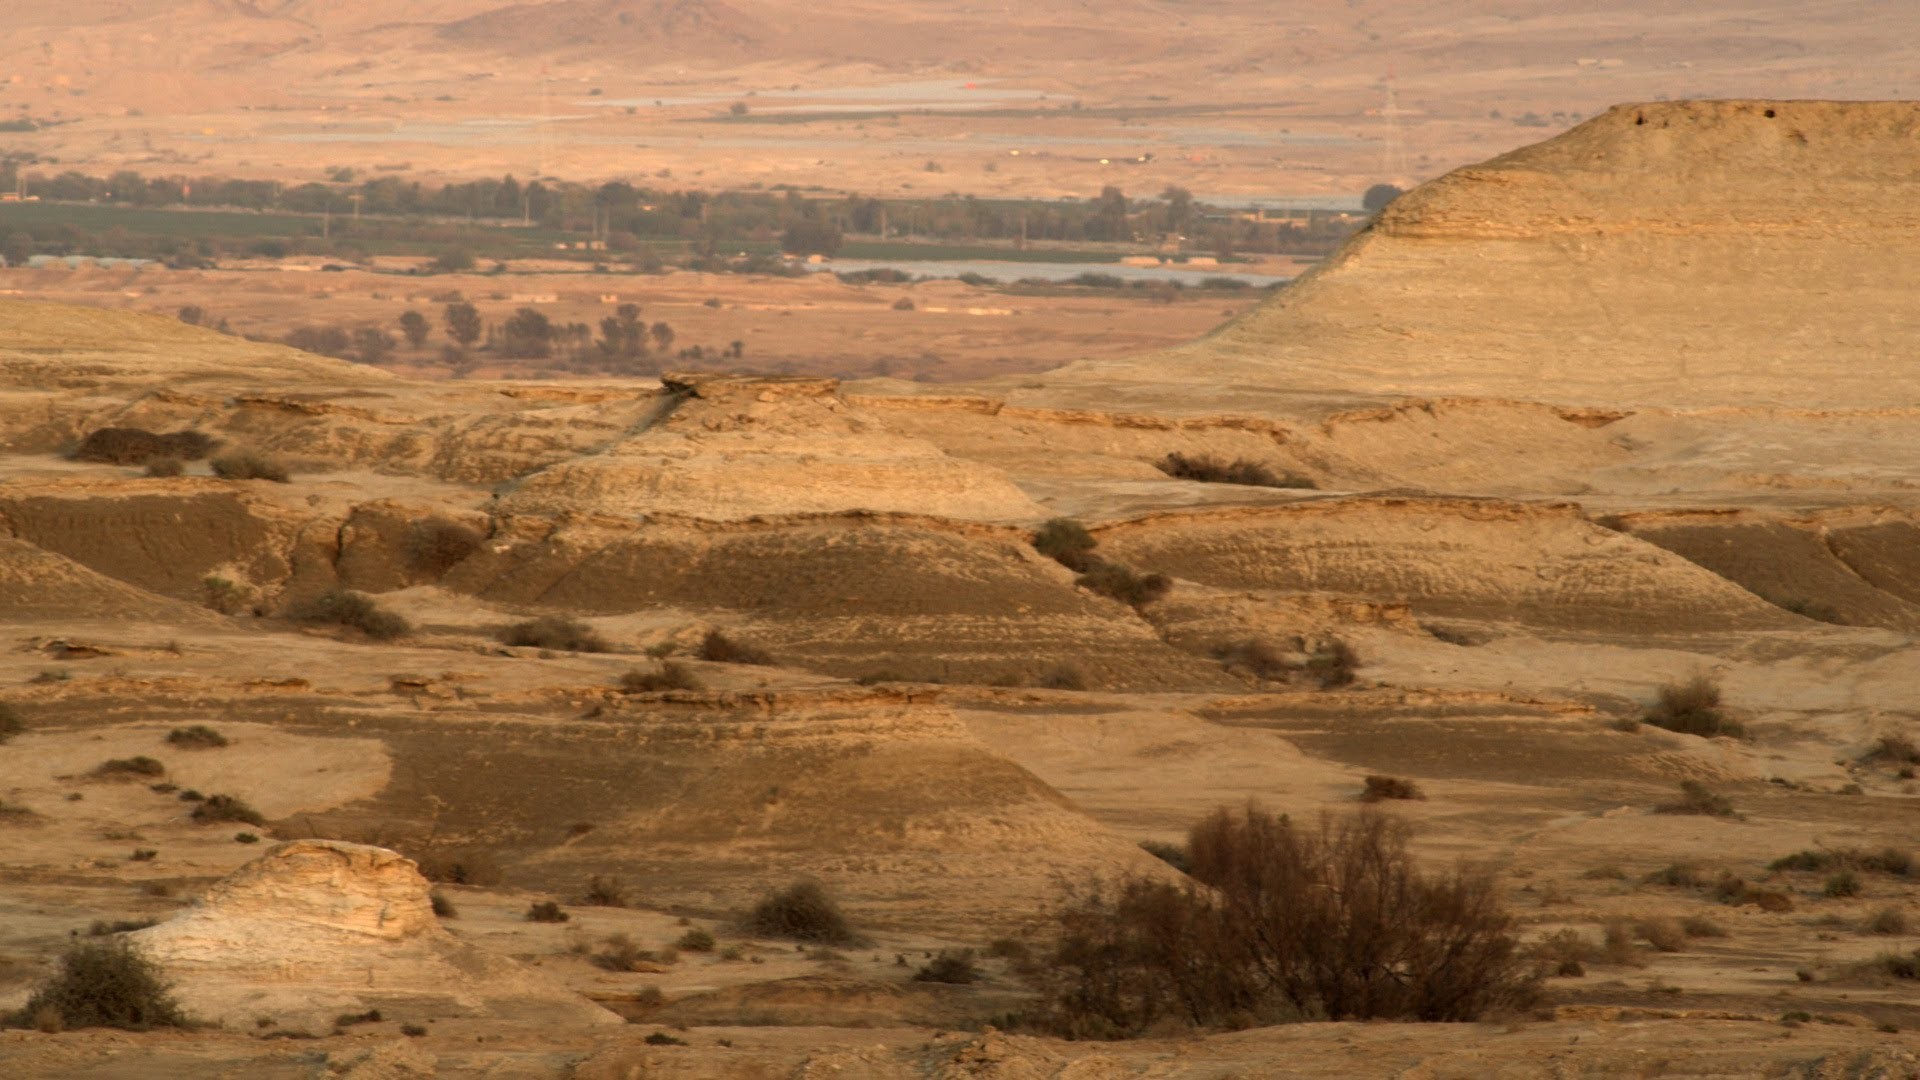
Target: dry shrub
x=1333 y=664
x=161 y=468
x=673 y=675
x=438 y=545
x=622 y=953
x=1066 y=542
x=606 y=892
x=955 y=967
x=197 y=737
x=215 y=808
x=134 y=446
x=546 y=911
x=1565 y=953
x=133 y=768
x=1284 y=923
x=1897 y=749
x=1064 y=677
x=443 y=906
x=1696 y=799
x=1888 y=920
x=721 y=649
x=459 y=866
x=1212 y=470
x=11 y=722
x=1390 y=787
x=104 y=984
x=1701 y=926
x=250 y=465
x=1771 y=900
x=1843 y=884
x=1888 y=860
x=356 y=611
x=696 y=940
x=1616 y=944
x=1889 y=965
x=1120 y=583
x=1692 y=708
x=554 y=632
x=1664 y=933
x=802 y=911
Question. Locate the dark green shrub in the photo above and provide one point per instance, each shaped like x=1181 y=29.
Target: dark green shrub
x=673 y=675
x=802 y=912
x=197 y=737
x=1212 y=470
x=1696 y=799
x=356 y=611
x=250 y=465
x=246 y=838
x=105 y=984
x=226 y=808
x=1693 y=708
x=1121 y=583
x=721 y=649
x=1066 y=542
x=955 y=967
x=554 y=632
x=1380 y=787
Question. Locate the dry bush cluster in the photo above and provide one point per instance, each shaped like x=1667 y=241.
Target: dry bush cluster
x=554 y=632
x=672 y=675
x=134 y=446
x=718 y=648
x=1212 y=470
x=356 y=611
x=106 y=983
x=197 y=737
x=216 y=808
x=1380 y=788
x=802 y=911
x=250 y=465
x=1068 y=543
x=1695 y=798
x=1284 y=923
x=1693 y=708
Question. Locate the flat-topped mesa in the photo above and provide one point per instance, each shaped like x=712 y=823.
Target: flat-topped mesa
x=1689 y=254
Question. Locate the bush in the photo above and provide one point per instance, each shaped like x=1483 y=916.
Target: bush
x=953 y=966
x=1064 y=677
x=1696 y=799
x=197 y=737
x=226 y=808
x=801 y=912
x=673 y=675
x=1334 y=665
x=1122 y=584
x=102 y=928
x=1255 y=658
x=1174 y=855
x=443 y=907
x=546 y=911
x=621 y=953
x=246 y=838
x=1664 y=934
x=1843 y=884
x=1692 y=708
x=438 y=545
x=1888 y=920
x=356 y=611
x=1390 y=787
x=11 y=723
x=105 y=984
x=1889 y=860
x=1701 y=926
x=1066 y=542
x=1244 y=471
x=1897 y=749
x=1332 y=923
x=721 y=649
x=661 y=1038
x=129 y=768
x=165 y=467
x=133 y=446
x=249 y=465
x=606 y=892
x=695 y=940
x=554 y=632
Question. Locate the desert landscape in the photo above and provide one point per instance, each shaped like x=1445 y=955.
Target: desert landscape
x=1485 y=650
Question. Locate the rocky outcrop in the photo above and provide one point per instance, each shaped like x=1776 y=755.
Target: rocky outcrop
x=315 y=928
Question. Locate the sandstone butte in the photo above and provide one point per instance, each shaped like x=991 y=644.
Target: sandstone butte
x=1629 y=406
